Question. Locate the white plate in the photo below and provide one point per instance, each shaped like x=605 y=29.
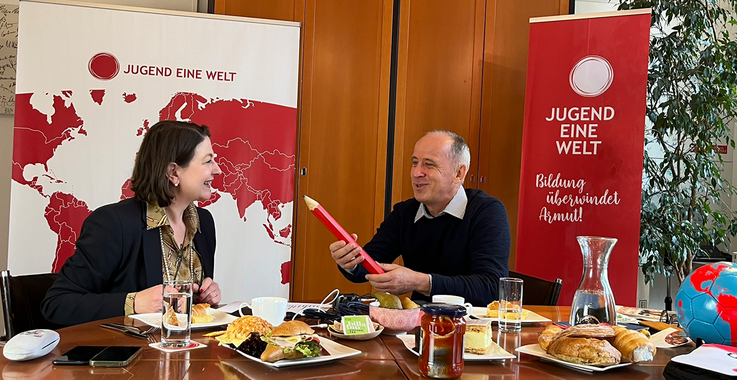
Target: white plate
x=336 y=351
x=154 y=319
x=494 y=353
x=536 y=350
x=480 y=312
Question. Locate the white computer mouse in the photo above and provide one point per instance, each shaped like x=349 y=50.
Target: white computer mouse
x=31 y=344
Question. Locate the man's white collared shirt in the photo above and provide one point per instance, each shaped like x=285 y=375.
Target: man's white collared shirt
x=456 y=207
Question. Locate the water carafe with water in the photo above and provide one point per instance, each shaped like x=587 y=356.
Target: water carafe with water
x=594 y=300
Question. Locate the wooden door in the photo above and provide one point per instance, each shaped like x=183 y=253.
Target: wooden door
x=461 y=66
x=503 y=98
x=342 y=143
x=286 y=10
x=343 y=106
x=438 y=78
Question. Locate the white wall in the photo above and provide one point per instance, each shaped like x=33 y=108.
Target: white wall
x=593 y=6
x=6 y=121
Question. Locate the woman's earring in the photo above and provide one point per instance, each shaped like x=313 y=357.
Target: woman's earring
x=176 y=184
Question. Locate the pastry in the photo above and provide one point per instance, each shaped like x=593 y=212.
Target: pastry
x=201 y=313
x=587 y=351
x=478 y=337
x=634 y=346
x=547 y=336
x=171 y=317
x=492 y=310
x=241 y=328
x=588 y=331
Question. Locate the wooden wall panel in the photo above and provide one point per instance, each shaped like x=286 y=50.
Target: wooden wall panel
x=439 y=78
x=271 y=9
x=503 y=99
x=343 y=134
x=343 y=101
x=461 y=66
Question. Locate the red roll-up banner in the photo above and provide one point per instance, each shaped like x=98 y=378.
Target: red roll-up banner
x=583 y=144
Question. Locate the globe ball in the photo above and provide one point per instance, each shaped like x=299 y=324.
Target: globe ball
x=706 y=304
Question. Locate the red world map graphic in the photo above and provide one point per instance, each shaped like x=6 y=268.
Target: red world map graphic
x=254 y=142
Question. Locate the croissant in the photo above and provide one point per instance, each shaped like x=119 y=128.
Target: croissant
x=546 y=337
x=200 y=313
x=634 y=346
x=171 y=317
x=588 y=351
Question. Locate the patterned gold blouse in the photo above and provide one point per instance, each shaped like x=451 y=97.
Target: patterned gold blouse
x=177 y=262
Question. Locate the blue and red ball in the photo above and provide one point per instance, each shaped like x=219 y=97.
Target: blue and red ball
x=706 y=304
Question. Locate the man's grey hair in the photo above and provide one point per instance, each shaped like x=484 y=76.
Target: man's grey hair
x=459 y=152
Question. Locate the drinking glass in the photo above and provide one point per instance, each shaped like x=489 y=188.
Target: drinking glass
x=510 y=304
x=176 y=313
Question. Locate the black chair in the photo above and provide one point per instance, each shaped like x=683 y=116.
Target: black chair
x=537 y=291
x=21 y=298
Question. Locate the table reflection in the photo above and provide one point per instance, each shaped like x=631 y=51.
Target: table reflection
x=173 y=366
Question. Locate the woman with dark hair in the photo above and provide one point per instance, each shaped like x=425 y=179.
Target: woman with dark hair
x=125 y=250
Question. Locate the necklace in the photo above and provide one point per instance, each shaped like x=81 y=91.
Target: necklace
x=180 y=258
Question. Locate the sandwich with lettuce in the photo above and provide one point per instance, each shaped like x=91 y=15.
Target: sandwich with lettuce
x=291 y=340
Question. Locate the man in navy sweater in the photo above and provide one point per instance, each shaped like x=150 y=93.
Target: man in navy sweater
x=452 y=240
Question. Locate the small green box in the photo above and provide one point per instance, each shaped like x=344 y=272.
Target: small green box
x=357 y=324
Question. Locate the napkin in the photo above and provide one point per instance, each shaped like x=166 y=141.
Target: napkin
x=713 y=357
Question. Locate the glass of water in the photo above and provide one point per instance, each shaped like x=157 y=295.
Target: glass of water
x=510 y=304
x=176 y=313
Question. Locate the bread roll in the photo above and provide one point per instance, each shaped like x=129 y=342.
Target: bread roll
x=634 y=346
x=200 y=313
x=274 y=353
x=547 y=336
x=587 y=351
x=492 y=311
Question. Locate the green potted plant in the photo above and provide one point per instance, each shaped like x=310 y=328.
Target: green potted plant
x=691 y=101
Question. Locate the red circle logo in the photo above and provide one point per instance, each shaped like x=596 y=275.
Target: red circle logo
x=104 y=66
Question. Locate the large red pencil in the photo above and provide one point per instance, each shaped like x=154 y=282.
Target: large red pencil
x=341 y=233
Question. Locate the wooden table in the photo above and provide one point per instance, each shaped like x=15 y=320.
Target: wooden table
x=384 y=358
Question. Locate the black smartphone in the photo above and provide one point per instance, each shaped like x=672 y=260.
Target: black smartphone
x=115 y=356
x=79 y=355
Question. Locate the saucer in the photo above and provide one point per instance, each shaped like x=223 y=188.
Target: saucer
x=367 y=336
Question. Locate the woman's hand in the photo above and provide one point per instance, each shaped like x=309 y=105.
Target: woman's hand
x=209 y=292
x=148 y=300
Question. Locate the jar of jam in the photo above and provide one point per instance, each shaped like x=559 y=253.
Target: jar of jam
x=441 y=340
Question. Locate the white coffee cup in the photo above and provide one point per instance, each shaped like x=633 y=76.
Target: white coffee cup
x=452 y=300
x=271 y=309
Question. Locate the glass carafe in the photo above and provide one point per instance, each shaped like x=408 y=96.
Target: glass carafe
x=594 y=300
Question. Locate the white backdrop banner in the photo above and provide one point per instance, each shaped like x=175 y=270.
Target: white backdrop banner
x=91 y=81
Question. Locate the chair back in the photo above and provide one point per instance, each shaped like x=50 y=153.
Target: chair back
x=21 y=299
x=537 y=291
